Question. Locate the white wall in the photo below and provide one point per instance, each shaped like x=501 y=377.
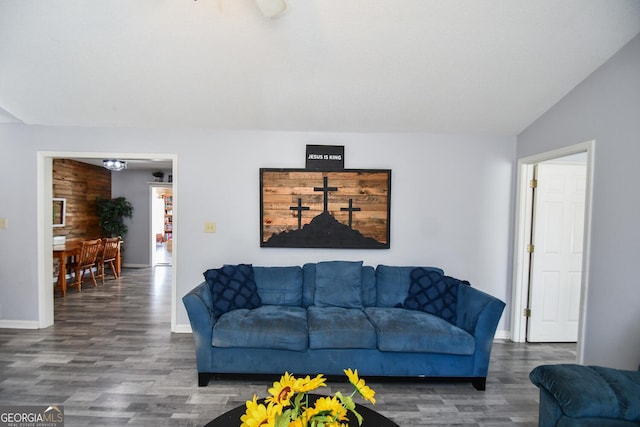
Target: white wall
x=605 y=108
x=451 y=198
x=134 y=186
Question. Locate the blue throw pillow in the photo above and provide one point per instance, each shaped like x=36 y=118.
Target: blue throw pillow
x=432 y=292
x=232 y=287
x=279 y=285
x=338 y=284
x=392 y=283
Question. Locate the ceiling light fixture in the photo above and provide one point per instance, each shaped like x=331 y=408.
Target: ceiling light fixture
x=272 y=8
x=114 y=165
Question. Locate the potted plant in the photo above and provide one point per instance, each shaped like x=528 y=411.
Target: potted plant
x=111 y=214
x=158 y=175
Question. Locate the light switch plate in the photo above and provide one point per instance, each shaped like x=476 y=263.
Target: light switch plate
x=3 y=223
x=209 y=227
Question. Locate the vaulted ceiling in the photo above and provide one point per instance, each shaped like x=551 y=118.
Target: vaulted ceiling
x=483 y=66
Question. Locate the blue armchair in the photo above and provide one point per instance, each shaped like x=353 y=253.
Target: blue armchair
x=587 y=396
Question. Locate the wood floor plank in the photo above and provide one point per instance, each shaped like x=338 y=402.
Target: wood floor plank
x=110 y=359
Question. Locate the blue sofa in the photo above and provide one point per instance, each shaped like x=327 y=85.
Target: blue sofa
x=397 y=321
x=587 y=396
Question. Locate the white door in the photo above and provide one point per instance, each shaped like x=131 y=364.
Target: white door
x=556 y=261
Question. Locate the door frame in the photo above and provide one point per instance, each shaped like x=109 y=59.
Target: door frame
x=153 y=187
x=44 y=190
x=523 y=223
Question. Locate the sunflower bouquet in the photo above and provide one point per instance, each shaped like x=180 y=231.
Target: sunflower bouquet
x=288 y=404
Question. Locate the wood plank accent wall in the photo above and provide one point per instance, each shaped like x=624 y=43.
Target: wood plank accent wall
x=80 y=184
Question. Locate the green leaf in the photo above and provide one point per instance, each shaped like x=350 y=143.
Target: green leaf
x=282 y=420
x=298 y=399
x=347 y=401
x=358 y=416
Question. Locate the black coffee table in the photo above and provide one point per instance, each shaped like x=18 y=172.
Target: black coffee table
x=370 y=418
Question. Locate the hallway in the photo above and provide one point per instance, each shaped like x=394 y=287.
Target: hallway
x=163 y=255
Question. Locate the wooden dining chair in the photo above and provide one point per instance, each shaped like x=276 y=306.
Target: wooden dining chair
x=108 y=255
x=86 y=261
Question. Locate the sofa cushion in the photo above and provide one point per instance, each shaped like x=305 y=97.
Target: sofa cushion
x=232 y=287
x=392 y=283
x=308 y=283
x=269 y=326
x=338 y=284
x=416 y=331
x=368 y=286
x=279 y=285
x=432 y=292
x=338 y=327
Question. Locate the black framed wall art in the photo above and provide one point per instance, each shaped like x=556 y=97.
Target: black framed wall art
x=303 y=208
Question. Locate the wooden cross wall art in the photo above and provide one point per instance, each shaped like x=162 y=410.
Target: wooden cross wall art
x=346 y=209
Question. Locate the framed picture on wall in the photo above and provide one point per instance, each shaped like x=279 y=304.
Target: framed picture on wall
x=59 y=212
x=302 y=208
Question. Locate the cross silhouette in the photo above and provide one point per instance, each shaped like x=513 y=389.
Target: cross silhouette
x=325 y=189
x=351 y=210
x=299 y=208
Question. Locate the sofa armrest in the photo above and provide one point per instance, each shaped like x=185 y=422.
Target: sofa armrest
x=199 y=308
x=549 y=412
x=478 y=313
x=591 y=391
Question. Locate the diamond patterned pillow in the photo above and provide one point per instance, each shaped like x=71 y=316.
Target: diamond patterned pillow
x=432 y=292
x=232 y=287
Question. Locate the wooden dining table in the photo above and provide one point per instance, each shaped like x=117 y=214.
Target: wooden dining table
x=64 y=252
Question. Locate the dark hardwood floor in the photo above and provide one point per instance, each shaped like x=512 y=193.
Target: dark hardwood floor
x=110 y=359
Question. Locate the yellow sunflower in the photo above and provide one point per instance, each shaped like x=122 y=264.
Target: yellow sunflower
x=306 y=384
x=364 y=390
x=299 y=422
x=258 y=414
x=331 y=406
x=282 y=390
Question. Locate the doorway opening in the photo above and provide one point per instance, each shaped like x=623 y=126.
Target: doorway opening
x=525 y=224
x=161 y=225
x=44 y=215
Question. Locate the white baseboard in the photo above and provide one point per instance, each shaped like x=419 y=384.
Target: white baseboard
x=502 y=335
x=182 y=329
x=19 y=324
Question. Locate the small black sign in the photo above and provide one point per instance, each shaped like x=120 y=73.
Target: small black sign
x=325 y=157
